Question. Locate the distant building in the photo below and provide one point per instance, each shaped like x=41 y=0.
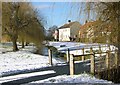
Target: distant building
x=92 y=30
x=56 y=35
x=69 y=31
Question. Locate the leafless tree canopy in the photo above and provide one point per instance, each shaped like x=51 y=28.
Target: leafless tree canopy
x=20 y=20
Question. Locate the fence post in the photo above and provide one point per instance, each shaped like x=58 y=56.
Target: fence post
x=100 y=51
x=92 y=61
x=83 y=57
x=72 y=68
x=116 y=58
x=107 y=59
x=109 y=47
x=68 y=55
x=50 y=56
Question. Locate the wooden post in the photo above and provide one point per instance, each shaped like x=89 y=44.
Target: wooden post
x=68 y=55
x=109 y=47
x=50 y=56
x=72 y=68
x=83 y=57
x=107 y=59
x=92 y=69
x=100 y=51
x=116 y=58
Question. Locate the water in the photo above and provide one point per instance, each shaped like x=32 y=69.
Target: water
x=54 y=54
x=45 y=51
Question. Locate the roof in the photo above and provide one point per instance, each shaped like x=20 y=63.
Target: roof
x=68 y=25
x=106 y=27
x=89 y=24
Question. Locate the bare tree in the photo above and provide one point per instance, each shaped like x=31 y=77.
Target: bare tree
x=17 y=19
x=109 y=14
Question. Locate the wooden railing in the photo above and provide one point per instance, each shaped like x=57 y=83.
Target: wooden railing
x=95 y=61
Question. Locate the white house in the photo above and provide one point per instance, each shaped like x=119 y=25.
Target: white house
x=56 y=35
x=69 y=31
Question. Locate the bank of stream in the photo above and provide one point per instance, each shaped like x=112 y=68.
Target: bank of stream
x=55 y=53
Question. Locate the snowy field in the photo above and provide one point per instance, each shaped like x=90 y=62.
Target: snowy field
x=24 y=59
x=76 y=47
x=14 y=62
x=82 y=79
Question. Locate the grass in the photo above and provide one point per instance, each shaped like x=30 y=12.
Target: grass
x=25 y=56
x=5 y=46
x=110 y=74
x=28 y=56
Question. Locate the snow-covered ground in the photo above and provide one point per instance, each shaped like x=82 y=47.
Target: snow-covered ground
x=24 y=59
x=76 y=47
x=82 y=79
x=14 y=62
x=22 y=76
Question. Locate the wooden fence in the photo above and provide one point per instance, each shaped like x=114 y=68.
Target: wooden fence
x=105 y=60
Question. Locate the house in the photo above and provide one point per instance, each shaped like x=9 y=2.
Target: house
x=92 y=30
x=56 y=34
x=69 y=31
x=86 y=31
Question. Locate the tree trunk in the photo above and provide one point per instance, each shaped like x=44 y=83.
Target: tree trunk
x=26 y=44
x=118 y=39
x=23 y=46
x=15 y=48
x=14 y=41
x=119 y=54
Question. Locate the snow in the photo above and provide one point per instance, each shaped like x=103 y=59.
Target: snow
x=24 y=59
x=76 y=47
x=14 y=62
x=21 y=76
x=82 y=78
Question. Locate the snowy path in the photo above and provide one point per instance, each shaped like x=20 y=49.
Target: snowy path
x=59 y=70
x=55 y=74
x=23 y=61
x=22 y=76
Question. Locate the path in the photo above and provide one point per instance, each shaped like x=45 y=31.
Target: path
x=59 y=70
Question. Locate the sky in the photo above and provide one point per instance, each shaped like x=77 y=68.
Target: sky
x=58 y=13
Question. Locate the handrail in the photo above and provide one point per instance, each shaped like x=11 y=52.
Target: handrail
x=70 y=58
x=85 y=47
x=92 y=60
x=93 y=53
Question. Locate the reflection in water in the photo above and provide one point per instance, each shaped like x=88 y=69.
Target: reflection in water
x=44 y=51
x=55 y=54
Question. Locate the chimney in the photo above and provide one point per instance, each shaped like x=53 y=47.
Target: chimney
x=69 y=21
